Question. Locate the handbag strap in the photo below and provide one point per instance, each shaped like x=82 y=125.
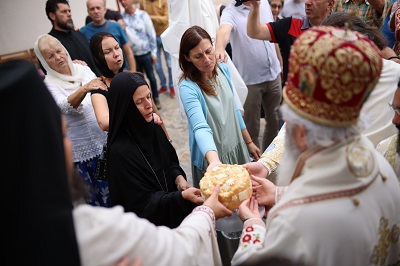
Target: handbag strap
x=106 y=27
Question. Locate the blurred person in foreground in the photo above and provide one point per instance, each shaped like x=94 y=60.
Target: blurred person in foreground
x=51 y=230
x=342 y=196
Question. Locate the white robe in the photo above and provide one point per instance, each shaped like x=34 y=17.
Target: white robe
x=105 y=235
x=184 y=14
x=343 y=209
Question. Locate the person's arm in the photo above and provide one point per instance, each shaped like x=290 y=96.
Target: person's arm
x=273 y=155
x=181 y=183
x=389 y=54
x=212 y=159
x=129 y=56
x=392 y=21
x=133 y=236
x=190 y=96
x=256 y=30
x=76 y=98
x=221 y=41
x=253 y=149
x=101 y=110
x=378 y=5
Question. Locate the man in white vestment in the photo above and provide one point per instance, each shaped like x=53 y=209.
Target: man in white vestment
x=341 y=204
x=375 y=110
x=390 y=147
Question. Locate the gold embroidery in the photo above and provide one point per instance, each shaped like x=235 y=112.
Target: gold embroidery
x=360 y=159
x=356 y=202
x=391 y=154
x=328 y=85
x=387 y=237
x=273 y=155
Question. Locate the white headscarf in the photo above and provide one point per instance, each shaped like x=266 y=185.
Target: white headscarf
x=67 y=82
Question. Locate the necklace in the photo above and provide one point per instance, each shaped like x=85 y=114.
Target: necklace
x=165 y=180
x=154 y=173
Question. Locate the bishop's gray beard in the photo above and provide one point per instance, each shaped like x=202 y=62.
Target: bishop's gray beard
x=290 y=155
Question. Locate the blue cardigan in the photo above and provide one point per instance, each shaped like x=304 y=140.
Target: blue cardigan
x=200 y=135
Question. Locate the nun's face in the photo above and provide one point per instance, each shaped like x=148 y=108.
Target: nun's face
x=112 y=53
x=143 y=101
x=56 y=57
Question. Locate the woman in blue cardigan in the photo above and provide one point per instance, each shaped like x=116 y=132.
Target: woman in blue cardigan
x=217 y=133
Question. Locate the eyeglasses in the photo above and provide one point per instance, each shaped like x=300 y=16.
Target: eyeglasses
x=396 y=110
x=276 y=6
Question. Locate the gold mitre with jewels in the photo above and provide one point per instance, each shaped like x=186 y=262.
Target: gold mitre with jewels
x=332 y=71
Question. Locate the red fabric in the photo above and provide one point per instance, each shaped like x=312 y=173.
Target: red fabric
x=295 y=27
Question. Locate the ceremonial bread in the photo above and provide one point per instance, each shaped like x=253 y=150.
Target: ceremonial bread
x=234 y=181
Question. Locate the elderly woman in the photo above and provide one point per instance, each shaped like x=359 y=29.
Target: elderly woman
x=69 y=83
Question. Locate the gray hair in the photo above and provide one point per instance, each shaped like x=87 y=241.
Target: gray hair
x=318 y=134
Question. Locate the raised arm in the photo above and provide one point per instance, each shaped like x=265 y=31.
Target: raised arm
x=222 y=40
x=256 y=30
x=76 y=98
x=378 y=5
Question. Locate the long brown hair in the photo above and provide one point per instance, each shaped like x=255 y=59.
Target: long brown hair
x=190 y=39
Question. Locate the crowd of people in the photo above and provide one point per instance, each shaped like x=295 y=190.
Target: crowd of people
x=328 y=177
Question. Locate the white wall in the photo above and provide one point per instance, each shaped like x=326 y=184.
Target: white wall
x=22 y=21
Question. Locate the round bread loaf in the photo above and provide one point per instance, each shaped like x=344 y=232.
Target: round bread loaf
x=234 y=181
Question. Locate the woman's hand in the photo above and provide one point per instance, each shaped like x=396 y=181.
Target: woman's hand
x=94 y=84
x=193 y=194
x=157 y=119
x=212 y=159
x=257 y=169
x=221 y=56
x=254 y=150
x=218 y=208
x=213 y=164
x=181 y=183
